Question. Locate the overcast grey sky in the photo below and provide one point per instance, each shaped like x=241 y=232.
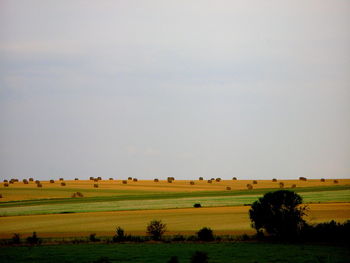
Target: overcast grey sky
x=252 y=89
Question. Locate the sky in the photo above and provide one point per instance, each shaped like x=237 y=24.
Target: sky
x=151 y=89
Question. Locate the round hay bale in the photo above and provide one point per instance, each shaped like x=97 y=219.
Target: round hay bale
x=218 y=179
x=76 y=179
x=39 y=185
x=191 y=182
x=111 y=179
x=134 y=180
x=209 y=181
x=156 y=180
x=200 y=178
x=52 y=181
x=255 y=181
x=31 y=179
x=335 y=181
x=61 y=179
x=249 y=187
x=6 y=184
x=274 y=180
x=124 y=181
x=95 y=185
x=129 y=178
x=281 y=185
x=228 y=188
x=63 y=184
x=234 y=178
x=323 y=180
x=294 y=185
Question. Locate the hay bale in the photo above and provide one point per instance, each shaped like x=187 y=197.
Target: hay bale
x=61 y=179
x=52 y=181
x=134 y=180
x=95 y=185
x=74 y=195
x=249 y=186
x=0 y=195
x=170 y=180
x=124 y=181
x=335 y=181
x=197 y=205
x=274 y=180
x=218 y=179
x=209 y=181
x=37 y=181
x=255 y=181
x=6 y=184
x=234 y=178
x=39 y=185
x=129 y=178
x=76 y=179
x=294 y=185
x=79 y=194
x=323 y=180
x=91 y=178
x=281 y=185
x=111 y=179
x=228 y=188
x=99 y=178
x=63 y=184
x=200 y=178
x=6 y=181
x=25 y=181
x=31 y=179
x=302 y=178
x=191 y=182
x=156 y=180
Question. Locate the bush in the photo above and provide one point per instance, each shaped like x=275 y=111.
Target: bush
x=93 y=238
x=156 y=229
x=199 y=257
x=328 y=232
x=228 y=188
x=16 y=239
x=279 y=213
x=200 y=178
x=102 y=260
x=178 y=238
x=173 y=259
x=205 y=234
x=119 y=235
x=197 y=205
x=34 y=240
x=249 y=186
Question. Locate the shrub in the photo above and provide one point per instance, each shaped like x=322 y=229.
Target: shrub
x=39 y=185
x=323 y=180
x=6 y=185
x=173 y=259
x=135 y=179
x=218 y=179
x=156 y=229
x=209 y=181
x=274 y=180
x=199 y=257
x=93 y=238
x=95 y=185
x=228 y=188
x=196 y=205
x=33 y=240
x=200 y=178
x=63 y=184
x=205 y=234
x=52 y=181
x=16 y=238
x=76 y=179
x=234 y=178
x=279 y=213
x=302 y=178
x=178 y=237
x=129 y=178
x=119 y=235
x=335 y=181
x=249 y=186
x=191 y=182
x=102 y=260
x=281 y=184
x=124 y=181
x=31 y=179
x=156 y=180
x=255 y=181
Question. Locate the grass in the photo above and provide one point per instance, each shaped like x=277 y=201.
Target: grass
x=160 y=253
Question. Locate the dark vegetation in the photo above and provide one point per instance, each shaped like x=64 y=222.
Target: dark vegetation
x=156 y=229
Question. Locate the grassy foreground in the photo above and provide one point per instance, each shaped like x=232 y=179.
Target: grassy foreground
x=243 y=252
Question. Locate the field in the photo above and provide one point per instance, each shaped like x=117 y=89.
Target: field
x=245 y=252
x=52 y=211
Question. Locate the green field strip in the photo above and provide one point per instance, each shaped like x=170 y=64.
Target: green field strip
x=137 y=195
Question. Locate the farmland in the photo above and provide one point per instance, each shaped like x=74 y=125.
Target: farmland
x=25 y=208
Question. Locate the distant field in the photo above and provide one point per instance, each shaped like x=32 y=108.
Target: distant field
x=160 y=253
x=51 y=211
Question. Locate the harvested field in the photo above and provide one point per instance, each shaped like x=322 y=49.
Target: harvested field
x=223 y=220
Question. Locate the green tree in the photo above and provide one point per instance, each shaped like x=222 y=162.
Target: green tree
x=279 y=213
x=156 y=229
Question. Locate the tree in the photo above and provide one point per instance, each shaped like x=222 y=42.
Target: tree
x=205 y=234
x=156 y=229
x=279 y=213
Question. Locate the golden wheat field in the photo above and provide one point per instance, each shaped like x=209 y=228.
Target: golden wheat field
x=327 y=200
